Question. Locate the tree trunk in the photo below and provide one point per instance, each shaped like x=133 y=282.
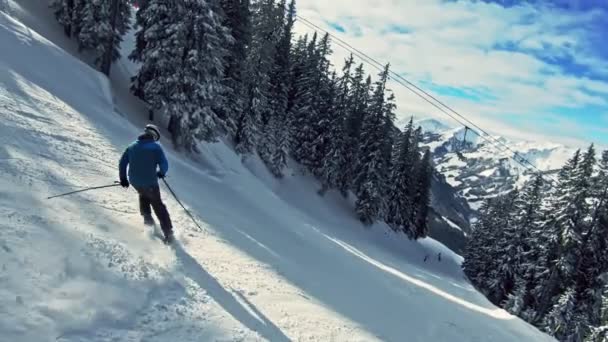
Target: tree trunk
x=68 y=27
x=106 y=63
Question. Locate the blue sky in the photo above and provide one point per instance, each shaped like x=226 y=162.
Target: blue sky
x=535 y=70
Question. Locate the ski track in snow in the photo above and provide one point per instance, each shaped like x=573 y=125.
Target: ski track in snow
x=275 y=262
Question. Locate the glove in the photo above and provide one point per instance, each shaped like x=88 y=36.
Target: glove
x=160 y=175
x=124 y=183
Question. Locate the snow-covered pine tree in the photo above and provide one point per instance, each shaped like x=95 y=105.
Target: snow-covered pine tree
x=498 y=282
x=158 y=51
x=592 y=265
x=552 y=269
x=481 y=246
x=68 y=14
x=570 y=211
x=182 y=65
x=474 y=259
x=574 y=224
x=299 y=58
x=336 y=163
x=422 y=200
x=563 y=321
x=389 y=135
x=359 y=103
x=159 y=12
x=313 y=83
x=598 y=237
x=370 y=164
x=487 y=244
x=237 y=18
x=140 y=41
x=399 y=203
x=300 y=104
x=414 y=156
x=103 y=25
x=201 y=71
x=599 y=333
x=523 y=250
x=324 y=103
x=251 y=125
x=321 y=145
x=280 y=83
x=517 y=266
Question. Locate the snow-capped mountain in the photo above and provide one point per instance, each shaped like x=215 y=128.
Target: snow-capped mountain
x=478 y=168
x=431 y=125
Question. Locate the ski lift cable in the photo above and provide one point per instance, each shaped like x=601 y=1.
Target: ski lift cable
x=377 y=64
x=445 y=109
x=379 y=67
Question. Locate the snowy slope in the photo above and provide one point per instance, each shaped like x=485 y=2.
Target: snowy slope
x=274 y=261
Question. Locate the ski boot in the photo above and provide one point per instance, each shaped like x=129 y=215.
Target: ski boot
x=169 y=238
x=148 y=220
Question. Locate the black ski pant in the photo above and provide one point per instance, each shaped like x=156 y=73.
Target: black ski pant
x=150 y=197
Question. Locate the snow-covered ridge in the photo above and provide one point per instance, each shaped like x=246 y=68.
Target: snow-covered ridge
x=432 y=125
x=479 y=168
x=273 y=263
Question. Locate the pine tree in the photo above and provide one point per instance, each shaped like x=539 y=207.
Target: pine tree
x=564 y=256
x=563 y=321
x=323 y=102
x=389 y=136
x=500 y=275
x=357 y=107
x=546 y=260
x=389 y=124
x=523 y=250
x=280 y=82
x=599 y=333
x=256 y=114
x=370 y=165
x=516 y=266
x=298 y=82
x=422 y=199
x=151 y=17
x=336 y=162
x=182 y=65
x=237 y=18
x=556 y=230
x=482 y=245
x=322 y=144
x=68 y=14
x=414 y=157
x=592 y=264
x=486 y=247
x=400 y=206
x=306 y=114
x=103 y=25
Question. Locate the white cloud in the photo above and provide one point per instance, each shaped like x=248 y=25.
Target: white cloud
x=455 y=44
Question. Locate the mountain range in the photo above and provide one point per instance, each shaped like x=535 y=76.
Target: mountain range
x=471 y=168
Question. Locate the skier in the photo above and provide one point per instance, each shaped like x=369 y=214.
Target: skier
x=143 y=157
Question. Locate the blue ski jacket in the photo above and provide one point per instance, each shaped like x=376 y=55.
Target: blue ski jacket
x=143 y=157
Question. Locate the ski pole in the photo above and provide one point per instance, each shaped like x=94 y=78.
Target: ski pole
x=180 y=203
x=87 y=189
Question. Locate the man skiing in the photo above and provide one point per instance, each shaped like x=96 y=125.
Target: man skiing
x=143 y=157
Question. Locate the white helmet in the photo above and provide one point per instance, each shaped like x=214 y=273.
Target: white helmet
x=153 y=130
